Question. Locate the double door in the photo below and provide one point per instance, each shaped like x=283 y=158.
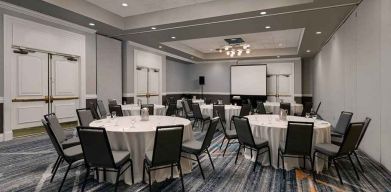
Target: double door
x=43 y=83
x=148 y=83
x=279 y=87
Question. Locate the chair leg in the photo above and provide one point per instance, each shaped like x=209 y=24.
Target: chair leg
x=180 y=174
x=131 y=170
x=226 y=147
x=55 y=171
x=336 y=168
x=222 y=144
x=358 y=160
x=251 y=153
x=278 y=159
x=283 y=166
x=143 y=172
x=97 y=174
x=199 y=164
x=210 y=159
x=55 y=164
x=149 y=179
x=202 y=125
x=354 y=167
x=237 y=154
x=65 y=176
x=270 y=157
x=117 y=180
x=256 y=159
x=172 y=170
x=313 y=167
x=304 y=161
x=85 y=179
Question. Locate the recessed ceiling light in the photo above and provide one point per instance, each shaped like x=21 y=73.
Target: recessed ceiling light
x=278 y=56
x=268 y=27
x=153 y=28
x=280 y=44
x=263 y=13
x=318 y=32
x=308 y=51
x=124 y=4
x=91 y=24
x=173 y=37
x=160 y=46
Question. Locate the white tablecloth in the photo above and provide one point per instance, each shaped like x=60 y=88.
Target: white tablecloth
x=139 y=139
x=199 y=101
x=270 y=128
x=132 y=110
x=274 y=107
x=230 y=110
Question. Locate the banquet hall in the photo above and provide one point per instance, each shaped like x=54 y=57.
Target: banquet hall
x=195 y=95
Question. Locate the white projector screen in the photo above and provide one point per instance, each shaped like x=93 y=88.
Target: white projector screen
x=248 y=80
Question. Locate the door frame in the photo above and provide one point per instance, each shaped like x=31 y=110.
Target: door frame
x=77 y=49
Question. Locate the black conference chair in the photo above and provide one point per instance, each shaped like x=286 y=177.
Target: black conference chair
x=219 y=111
x=196 y=148
x=244 y=111
x=229 y=134
x=198 y=117
x=117 y=109
x=342 y=124
x=85 y=116
x=298 y=142
x=317 y=108
x=58 y=131
x=246 y=139
x=99 y=156
x=286 y=106
x=70 y=154
x=166 y=151
x=112 y=102
x=171 y=109
x=306 y=109
x=190 y=103
x=335 y=152
x=338 y=140
x=186 y=110
x=102 y=109
x=150 y=108
x=94 y=109
x=261 y=109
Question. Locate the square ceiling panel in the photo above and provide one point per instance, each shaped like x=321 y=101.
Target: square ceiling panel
x=137 y=7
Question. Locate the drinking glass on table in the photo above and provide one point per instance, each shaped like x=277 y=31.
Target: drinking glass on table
x=307 y=115
x=113 y=114
x=132 y=122
x=314 y=117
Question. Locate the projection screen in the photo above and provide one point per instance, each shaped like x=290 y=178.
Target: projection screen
x=248 y=80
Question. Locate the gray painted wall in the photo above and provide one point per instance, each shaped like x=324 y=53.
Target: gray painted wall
x=109 y=69
x=352 y=73
x=307 y=76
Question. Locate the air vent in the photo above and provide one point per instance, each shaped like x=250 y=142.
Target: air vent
x=234 y=41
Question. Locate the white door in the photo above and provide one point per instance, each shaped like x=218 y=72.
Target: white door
x=284 y=88
x=148 y=85
x=29 y=89
x=153 y=86
x=142 y=84
x=64 y=87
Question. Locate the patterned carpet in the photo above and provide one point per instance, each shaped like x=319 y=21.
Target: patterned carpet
x=25 y=165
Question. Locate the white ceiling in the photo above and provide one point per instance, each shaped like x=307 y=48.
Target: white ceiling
x=137 y=7
x=264 y=40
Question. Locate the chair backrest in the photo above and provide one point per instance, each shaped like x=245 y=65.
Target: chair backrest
x=351 y=138
x=168 y=145
x=245 y=110
x=112 y=102
x=96 y=147
x=219 y=111
x=210 y=133
x=286 y=106
x=171 y=109
x=343 y=122
x=299 y=138
x=366 y=124
x=94 y=109
x=55 y=126
x=102 y=109
x=317 y=108
x=208 y=101
x=197 y=111
x=150 y=108
x=117 y=109
x=53 y=138
x=243 y=130
x=306 y=108
x=85 y=116
x=190 y=104
x=261 y=108
x=186 y=107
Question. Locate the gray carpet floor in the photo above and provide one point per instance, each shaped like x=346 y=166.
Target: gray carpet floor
x=25 y=165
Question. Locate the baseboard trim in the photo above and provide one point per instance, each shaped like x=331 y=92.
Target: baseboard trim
x=91 y=96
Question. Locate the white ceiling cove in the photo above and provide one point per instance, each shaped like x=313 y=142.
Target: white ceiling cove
x=137 y=7
x=264 y=40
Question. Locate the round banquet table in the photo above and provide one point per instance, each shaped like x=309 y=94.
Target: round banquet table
x=269 y=127
x=137 y=140
x=230 y=110
x=134 y=110
x=199 y=101
x=274 y=107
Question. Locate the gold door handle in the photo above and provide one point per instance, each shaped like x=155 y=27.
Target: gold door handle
x=30 y=100
x=62 y=98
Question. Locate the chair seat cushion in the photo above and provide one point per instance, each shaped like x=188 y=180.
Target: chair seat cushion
x=336 y=134
x=282 y=146
x=70 y=142
x=260 y=143
x=328 y=149
x=192 y=147
x=73 y=153
x=336 y=140
x=205 y=117
x=231 y=134
x=120 y=157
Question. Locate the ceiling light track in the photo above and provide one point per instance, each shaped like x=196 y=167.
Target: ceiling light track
x=239 y=19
